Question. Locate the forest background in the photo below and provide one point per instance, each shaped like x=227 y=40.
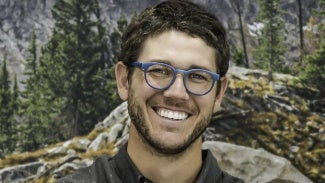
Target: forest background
x=67 y=83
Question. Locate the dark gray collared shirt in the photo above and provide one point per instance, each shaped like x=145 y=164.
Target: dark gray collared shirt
x=121 y=169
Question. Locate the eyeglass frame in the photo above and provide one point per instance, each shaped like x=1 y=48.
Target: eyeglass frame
x=145 y=65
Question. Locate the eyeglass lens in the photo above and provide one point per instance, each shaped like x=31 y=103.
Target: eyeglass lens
x=161 y=76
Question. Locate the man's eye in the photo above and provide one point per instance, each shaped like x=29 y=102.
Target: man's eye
x=160 y=72
x=197 y=76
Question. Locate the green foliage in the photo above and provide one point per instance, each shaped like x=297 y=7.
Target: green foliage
x=313 y=40
x=238 y=57
x=31 y=67
x=4 y=82
x=37 y=110
x=15 y=96
x=75 y=66
x=116 y=37
x=70 y=86
x=6 y=111
x=313 y=71
x=321 y=12
x=270 y=52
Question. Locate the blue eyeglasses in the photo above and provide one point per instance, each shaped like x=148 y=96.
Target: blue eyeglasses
x=161 y=76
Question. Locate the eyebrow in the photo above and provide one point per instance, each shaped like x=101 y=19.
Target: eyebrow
x=194 y=66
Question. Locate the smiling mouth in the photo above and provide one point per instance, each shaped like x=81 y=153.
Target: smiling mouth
x=170 y=114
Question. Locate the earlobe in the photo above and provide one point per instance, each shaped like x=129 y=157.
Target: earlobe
x=121 y=75
x=224 y=84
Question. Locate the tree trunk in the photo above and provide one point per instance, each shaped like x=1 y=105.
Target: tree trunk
x=242 y=33
x=301 y=31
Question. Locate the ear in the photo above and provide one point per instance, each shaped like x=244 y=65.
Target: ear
x=224 y=84
x=122 y=83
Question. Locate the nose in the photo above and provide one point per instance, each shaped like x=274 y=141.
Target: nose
x=177 y=89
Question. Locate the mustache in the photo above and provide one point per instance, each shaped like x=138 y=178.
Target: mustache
x=176 y=103
x=172 y=102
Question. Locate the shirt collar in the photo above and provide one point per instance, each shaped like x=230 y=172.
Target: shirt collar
x=210 y=171
x=128 y=172
x=125 y=168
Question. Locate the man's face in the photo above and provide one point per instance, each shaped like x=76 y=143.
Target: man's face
x=171 y=120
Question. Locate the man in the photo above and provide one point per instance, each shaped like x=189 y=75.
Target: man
x=174 y=58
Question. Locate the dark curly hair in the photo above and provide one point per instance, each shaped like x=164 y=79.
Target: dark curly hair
x=180 y=15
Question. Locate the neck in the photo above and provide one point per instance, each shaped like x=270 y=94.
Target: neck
x=161 y=168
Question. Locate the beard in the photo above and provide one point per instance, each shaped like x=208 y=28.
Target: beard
x=136 y=113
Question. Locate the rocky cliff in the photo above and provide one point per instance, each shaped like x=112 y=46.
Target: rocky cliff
x=265 y=132
x=19 y=18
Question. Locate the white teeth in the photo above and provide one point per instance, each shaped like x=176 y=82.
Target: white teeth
x=172 y=114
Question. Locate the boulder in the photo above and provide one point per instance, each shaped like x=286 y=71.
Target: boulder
x=19 y=173
x=254 y=165
x=99 y=142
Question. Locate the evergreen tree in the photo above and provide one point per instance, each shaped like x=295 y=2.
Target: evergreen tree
x=301 y=31
x=30 y=68
x=37 y=127
x=16 y=102
x=240 y=56
x=6 y=111
x=15 y=96
x=116 y=37
x=32 y=56
x=75 y=64
x=270 y=52
x=314 y=72
x=5 y=82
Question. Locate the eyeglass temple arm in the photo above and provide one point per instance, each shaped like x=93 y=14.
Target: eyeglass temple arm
x=136 y=64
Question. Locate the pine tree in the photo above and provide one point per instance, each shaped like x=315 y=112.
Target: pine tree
x=30 y=67
x=314 y=72
x=75 y=65
x=15 y=96
x=6 y=111
x=37 y=127
x=116 y=37
x=15 y=106
x=241 y=57
x=301 y=31
x=270 y=52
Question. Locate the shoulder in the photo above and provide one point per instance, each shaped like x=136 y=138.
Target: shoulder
x=215 y=171
x=92 y=173
x=226 y=178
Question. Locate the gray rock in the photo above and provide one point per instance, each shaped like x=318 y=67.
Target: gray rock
x=99 y=142
x=254 y=165
x=114 y=132
x=19 y=173
x=57 y=150
x=81 y=144
x=118 y=115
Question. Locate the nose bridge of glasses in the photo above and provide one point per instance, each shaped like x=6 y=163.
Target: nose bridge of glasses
x=177 y=86
x=182 y=74
x=179 y=72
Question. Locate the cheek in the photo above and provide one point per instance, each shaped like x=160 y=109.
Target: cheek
x=139 y=87
x=207 y=103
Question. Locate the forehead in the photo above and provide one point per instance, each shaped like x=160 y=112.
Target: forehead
x=178 y=49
